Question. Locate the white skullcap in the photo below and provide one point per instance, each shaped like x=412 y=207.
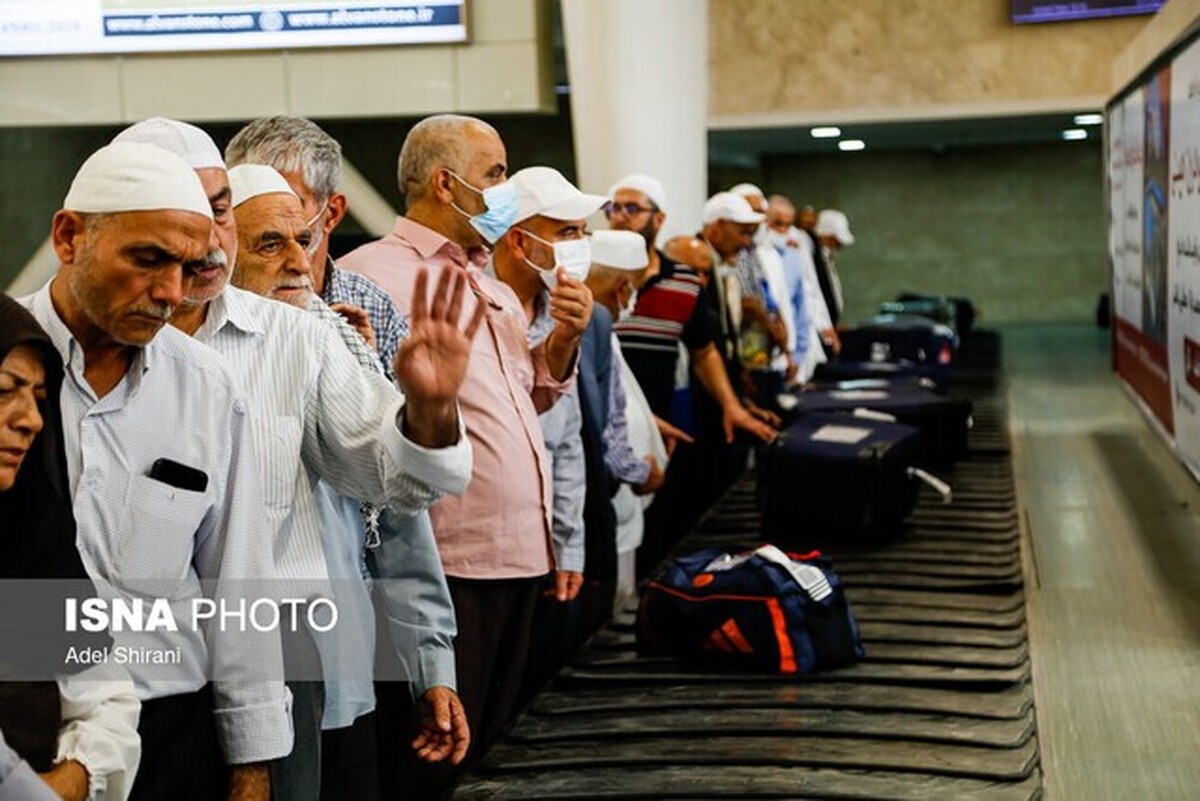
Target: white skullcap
x=650 y=187
x=188 y=142
x=747 y=191
x=248 y=181
x=619 y=250
x=728 y=206
x=130 y=176
x=831 y=222
x=544 y=191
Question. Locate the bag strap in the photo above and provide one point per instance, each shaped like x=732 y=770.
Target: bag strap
x=811 y=579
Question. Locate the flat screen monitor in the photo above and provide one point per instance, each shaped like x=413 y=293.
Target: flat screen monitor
x=65 y=27
x=1047 y=11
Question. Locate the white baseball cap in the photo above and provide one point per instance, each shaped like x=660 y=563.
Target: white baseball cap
x=728 y=206
x=619 y=250
x=187 y=141
x=543 y=191
x=747 y=191
x=652 y=188
x=132 y=176
x=831 y=222
x=247 y=181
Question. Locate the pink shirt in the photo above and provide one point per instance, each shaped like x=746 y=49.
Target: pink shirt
x=500 y=527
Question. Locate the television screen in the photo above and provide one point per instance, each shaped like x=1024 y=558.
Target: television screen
x=58 y=27
x=1046 y=11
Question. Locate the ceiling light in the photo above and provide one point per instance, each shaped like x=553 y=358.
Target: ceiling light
x=1089 y=119
x=852 y=144
x=1074 y=133
x=827 y=132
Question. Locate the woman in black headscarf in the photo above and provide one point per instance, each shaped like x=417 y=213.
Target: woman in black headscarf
x=79 y=733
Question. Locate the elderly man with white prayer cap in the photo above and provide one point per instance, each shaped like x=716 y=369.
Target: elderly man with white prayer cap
x=162 y=465
x=332 y=426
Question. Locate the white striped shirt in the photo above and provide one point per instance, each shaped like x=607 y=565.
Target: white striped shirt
x=319 y=415
x=177 y=401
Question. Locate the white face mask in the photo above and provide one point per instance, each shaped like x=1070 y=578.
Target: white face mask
x=627 y=310
x=573 y=255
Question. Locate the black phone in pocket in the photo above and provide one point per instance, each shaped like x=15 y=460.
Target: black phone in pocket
x=180 y=476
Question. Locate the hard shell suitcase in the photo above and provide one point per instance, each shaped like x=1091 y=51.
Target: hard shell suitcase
x=944 y=419
x=901 y=338
x=828 y=477
x=962 y=309
x=837 y=372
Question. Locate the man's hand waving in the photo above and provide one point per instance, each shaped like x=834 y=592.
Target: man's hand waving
x=432 y=362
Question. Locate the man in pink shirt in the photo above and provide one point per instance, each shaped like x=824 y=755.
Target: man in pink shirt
x=495 y=539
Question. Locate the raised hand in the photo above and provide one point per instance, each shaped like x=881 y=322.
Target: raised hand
x=431 y=362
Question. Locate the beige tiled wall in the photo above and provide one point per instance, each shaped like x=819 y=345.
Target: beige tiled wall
x=881 y=59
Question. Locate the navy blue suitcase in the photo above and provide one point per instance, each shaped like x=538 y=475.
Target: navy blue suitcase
x=945 y=419
x=838 y=372
x=901 y=338
x=828 y=477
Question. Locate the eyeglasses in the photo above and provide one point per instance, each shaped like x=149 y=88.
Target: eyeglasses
x=630 y=209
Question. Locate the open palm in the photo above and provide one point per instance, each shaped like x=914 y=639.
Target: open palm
x=432 y=361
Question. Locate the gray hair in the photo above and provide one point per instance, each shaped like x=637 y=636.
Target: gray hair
x=290 y=144
x=433 y=143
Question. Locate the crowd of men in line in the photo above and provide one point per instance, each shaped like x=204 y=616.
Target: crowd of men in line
x=480 y=430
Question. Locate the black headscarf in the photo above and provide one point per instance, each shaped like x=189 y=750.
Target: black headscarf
x=37 y=528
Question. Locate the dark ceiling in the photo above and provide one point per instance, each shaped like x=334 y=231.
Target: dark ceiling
x=743 y=146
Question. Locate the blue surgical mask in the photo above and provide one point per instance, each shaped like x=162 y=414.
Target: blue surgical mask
x=500 y=214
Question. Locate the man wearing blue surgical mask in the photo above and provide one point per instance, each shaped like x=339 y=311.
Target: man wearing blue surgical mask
x=495 y=539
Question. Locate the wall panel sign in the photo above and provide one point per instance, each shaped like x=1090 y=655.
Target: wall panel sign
x=1153 y=134
x=59 y=27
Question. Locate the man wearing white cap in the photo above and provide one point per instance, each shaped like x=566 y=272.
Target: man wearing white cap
x=164 y=481
x=671 y=307
x=833 y=232
x=763 y=260
x=544 y=256
x=634 y=450
x=311 y=161
x=495 y=540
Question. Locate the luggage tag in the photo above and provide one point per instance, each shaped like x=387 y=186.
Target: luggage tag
x=811 y=579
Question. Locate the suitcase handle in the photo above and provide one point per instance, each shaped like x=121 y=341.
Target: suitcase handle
x=939 y=486
x=870 y=414
x=811 y=579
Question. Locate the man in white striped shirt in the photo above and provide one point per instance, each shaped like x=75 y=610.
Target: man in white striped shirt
x=327 y=427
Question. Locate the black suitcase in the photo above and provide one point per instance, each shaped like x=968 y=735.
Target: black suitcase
x=828 y=477
x=940 y=310
x=837 y=372
x=962 y=310
x=901 y=338
x=945 y=419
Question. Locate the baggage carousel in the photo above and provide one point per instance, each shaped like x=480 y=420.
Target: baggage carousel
x=942 y=706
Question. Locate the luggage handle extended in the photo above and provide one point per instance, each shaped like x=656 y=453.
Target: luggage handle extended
x=811 y=579
x=939 y=486
x=862 y=413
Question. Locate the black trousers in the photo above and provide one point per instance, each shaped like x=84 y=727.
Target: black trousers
x=181 y=758
x=495 y=619
x=349 y=763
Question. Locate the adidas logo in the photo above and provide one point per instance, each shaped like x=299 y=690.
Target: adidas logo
x=728 y=638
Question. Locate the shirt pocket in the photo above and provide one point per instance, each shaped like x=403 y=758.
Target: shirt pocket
x=158 y=535
x=279 y=441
